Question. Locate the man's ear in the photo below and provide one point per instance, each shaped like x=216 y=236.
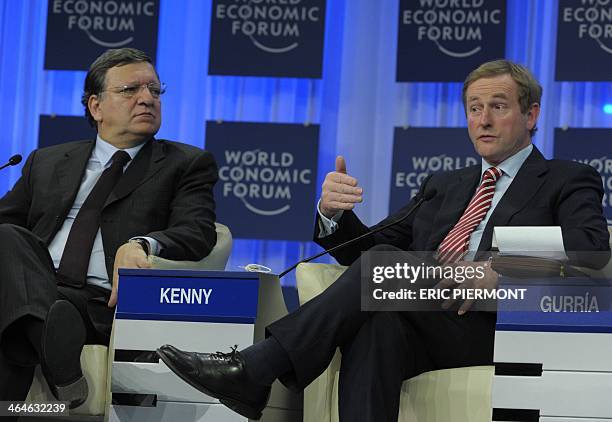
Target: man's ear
x=93 y=104
x=532 y=115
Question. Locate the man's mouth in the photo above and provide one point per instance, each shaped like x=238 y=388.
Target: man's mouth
x=487 y=138
x=146 y=115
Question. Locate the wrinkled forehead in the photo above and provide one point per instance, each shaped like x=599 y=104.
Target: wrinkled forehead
x=497 y=87
x=131 y=73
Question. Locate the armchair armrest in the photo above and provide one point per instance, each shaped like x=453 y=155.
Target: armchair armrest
x=313 y=279
x=216 y=260
x=319 y=402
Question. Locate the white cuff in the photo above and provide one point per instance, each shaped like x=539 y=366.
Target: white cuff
x=154 y=245
x=327 y=226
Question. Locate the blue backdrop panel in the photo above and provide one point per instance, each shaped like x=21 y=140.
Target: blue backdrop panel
x=267 y=178
x=418 y=152
x=59 y=129
x=444 y=40
x=584 y=36
x=79 y=31
x=357 y=103
x=589 y=146
x=267 y=38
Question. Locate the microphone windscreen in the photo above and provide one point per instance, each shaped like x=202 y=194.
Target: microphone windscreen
x=15 y=159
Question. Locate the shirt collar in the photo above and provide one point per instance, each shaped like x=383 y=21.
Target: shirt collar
x=511 y=165
x=104 y=151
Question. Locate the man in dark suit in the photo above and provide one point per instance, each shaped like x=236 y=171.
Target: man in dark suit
x=80 y=211
x=513 y=186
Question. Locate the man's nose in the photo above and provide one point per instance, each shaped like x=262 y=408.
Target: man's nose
x=144 y=95
x=485 y=117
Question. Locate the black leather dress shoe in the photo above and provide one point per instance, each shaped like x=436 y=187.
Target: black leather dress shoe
x=220 y=375
x=62 y=342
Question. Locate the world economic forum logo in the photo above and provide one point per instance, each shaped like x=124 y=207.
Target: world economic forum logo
x=592 y=19
x=604 y=166
x=419 y=167
x=273 y=27
x=263 y=181
x=456 y=28
x=107 y=23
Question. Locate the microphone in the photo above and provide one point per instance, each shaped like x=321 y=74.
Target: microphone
x=427 y=195
x=13 y=161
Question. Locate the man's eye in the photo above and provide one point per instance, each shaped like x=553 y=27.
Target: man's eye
x=500 y=106
x=155 y=91
x=474 y=109
x=129 y=90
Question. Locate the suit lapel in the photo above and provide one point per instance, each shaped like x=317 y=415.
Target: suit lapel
x=147 y=162
x=69 y=173
x=525 y=185
x=67 y=176
x=456 y=199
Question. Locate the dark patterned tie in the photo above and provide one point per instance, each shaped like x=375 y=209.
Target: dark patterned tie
x=75 y=259
x=455 y=244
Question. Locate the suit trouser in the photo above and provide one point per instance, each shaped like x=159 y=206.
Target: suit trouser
x=27 y=290
x=379 y=349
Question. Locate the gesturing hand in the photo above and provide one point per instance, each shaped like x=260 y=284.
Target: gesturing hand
x=340 y=191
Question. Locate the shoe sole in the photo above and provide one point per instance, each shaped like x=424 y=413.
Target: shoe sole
x=62 y=328
x=74 y=393
x=237 y=406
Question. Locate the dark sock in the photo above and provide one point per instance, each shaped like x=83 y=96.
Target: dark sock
x=266 y=361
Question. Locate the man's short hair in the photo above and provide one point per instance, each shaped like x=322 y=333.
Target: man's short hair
x=529 y=90
x=96 y=75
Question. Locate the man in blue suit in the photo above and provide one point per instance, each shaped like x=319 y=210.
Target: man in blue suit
x=513 y=186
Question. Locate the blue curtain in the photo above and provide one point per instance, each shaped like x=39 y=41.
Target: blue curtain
x=357 y=102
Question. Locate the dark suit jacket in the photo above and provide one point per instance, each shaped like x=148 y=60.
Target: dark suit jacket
x=543 y=193
x=165 y=193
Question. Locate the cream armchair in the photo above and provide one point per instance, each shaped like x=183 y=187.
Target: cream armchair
x=96 y=360
x=458 y=395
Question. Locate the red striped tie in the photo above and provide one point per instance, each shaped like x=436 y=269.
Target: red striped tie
x=455 y=244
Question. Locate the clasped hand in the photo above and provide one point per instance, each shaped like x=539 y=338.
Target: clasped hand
x=488 y=282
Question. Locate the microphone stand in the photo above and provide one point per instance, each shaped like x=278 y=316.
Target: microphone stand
x=425 y=197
